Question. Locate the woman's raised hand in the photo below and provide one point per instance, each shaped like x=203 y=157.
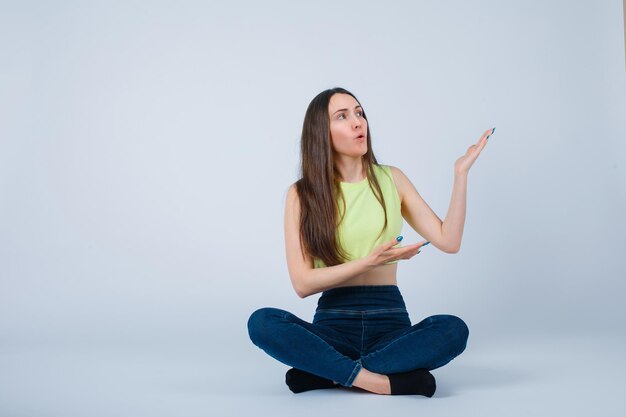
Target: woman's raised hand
x=464 y=163
x=386 y=252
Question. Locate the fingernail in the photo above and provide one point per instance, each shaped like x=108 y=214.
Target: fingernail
x=399 y=238
x=426 y=243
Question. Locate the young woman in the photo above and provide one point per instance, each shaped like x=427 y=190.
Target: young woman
x=342 y=225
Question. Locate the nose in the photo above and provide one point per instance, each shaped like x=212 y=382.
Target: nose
x=356 y=121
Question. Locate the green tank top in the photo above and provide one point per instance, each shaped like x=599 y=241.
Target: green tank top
x=359 y=230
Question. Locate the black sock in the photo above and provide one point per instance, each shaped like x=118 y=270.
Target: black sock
x=419 y=381
x=300 y=381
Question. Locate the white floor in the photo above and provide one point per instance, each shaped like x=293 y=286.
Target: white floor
x=555 y=376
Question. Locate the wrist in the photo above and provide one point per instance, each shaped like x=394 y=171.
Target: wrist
x=460 y=174
x=365 y=264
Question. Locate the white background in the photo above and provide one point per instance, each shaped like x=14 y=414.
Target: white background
x=146 y=149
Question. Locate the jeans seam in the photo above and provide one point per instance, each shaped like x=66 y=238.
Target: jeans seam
x=382 y=310
x=355 y=312
x=354 y=373
x=387 y=310
x=362 y=333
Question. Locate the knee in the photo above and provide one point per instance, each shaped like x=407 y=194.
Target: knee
x=456 y=331
x=260 y=325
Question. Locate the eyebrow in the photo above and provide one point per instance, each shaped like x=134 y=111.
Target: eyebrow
x=356 y=107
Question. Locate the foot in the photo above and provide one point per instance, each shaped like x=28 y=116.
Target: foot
x=372 y=382
x=301 y=381
x=416 y=382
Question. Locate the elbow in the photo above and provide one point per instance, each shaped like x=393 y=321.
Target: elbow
x=299 y=288
x=301 y=293
x=451 y=249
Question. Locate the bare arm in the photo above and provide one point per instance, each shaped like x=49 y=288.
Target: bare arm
x=307 y=280
x=420 y=216
x=452 y=226
x=446 y=235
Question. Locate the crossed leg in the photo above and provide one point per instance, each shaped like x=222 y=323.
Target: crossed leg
x=429 y=344
x=319 y=350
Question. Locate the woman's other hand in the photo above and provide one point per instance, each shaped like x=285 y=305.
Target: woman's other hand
x=386 y=252
x=464 y=163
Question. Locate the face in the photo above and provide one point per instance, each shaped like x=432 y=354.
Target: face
x=348 y=127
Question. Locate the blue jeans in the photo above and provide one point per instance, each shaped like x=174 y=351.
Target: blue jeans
x=358 y=327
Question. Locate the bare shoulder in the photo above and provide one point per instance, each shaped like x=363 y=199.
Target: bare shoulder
x=292 y=195
x=292 y=203
x=395 y=171
x=400 y=179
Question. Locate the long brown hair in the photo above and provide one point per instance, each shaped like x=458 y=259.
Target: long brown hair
x=319 y=189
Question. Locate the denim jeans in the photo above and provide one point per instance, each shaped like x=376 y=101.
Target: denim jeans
x=358 y=327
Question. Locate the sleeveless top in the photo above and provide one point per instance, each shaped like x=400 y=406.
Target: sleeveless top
x=359 y=230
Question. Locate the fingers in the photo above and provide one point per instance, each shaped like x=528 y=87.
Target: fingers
x=484 y=136
x=406 y=252
x=388 y=245
x=487 y=134
x=393 y=242
x=413 y=246
x=421 y=245
x=424 y=243
x=388 y=253
x=410 y=251
x=482 y=142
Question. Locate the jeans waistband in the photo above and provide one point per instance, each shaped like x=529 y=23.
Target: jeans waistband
x=362 y=298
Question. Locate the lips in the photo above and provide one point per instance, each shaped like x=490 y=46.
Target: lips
x=360 y=137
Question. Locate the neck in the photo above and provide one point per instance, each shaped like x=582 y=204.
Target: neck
x=350 y=169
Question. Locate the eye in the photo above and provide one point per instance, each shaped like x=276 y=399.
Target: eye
x=359 y=112
x=341 y=115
